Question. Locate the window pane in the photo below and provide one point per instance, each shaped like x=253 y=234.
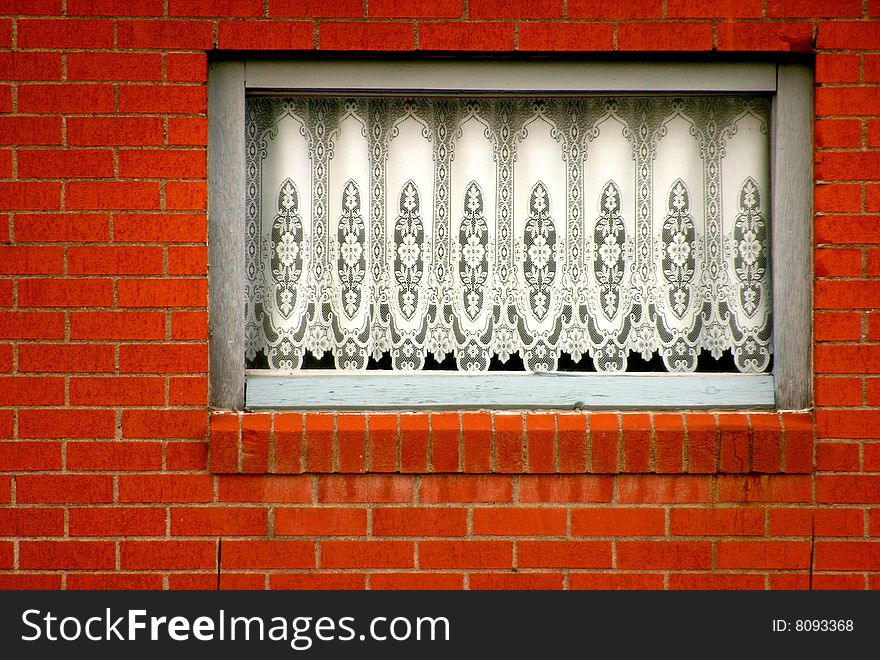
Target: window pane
x=605 y=234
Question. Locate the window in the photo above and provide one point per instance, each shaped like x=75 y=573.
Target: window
x=482 y=234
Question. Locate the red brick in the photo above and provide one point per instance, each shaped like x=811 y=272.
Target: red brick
x=334 y=581
x=445 y=442
x=466 y=36
x=414 y=442
x=32 y=522
x=715 y=581
x=64 y=489
x=186 y=67
x=871 y=68
x=67 y=98
x=636 y=442
x=838 y=456
x=303 y=521
x=417 y=581
x=163 y=358
x=838 y=198
x=31 y=581
x=260 y=35
x=154 y=488
x=615 y=8
x=222 y=8
x=837 y=582
x=31 y=391
x=726 y=9
x=848 y=35
x=63 y=164
x=31 y=325
x=813 y=8
x=465 y=488
x=764 y=488
x=702 y=443
x=165 y=35
x=766 y=442
x=716 y=522
x=655 y=489
x=516 y=581
x=115 y=260
x=663 y=554
x=419 y=521
x=6 y=359
x=857 y=489
x=351 y=442
x=873 y=394
x=316 y=8
x=113 y=131
x=27 y=260
x=837 y=262
x=541 y=441
x=319 y=436
x=859 y=359
x=65 y=423
x=509 y=442
x=186 y=196
x=117 y=521
x=571 y=439
x=566 y=37
x=568 y=488
x=382 y=442
x=848 y=165
x=735 y=446
x=89 y=195
x=288 y=434
x=114 y=7
x=219 y=521
x=64 y=33
x=818 y=522
x=604 y=439
x=848 y=423
x=29 y=456
x=188 y=260
x=76 y=555
x=225 y=439
x=836 y=294
x=255 y=433
x=369 y=488
x=114 y=581
x=156 y=164
x=837 y=68
x=17 y=65
x=519 y=522
x=873 y=326
x=162 y=293
x=798 y=441
x=847 y=230
x=615 y=581
x=65 y=293
x=749 y=36
x=477 y=440
x=373 y=36
x=63 y=358
x=31 y=7
x=367 y=554
x=164 y=423
x=837 y=133
x=264 y=489
x=189 y=325
x=114 y=66
x=188 y=131
x=117 y=325
x=28 y=196
x=664 y=36
x=400 y=9
x=668 y=442
x=114 y=455
x=618 y=522
x=186 y=390
x=170 y=555
x=515 y=9
x=465 y=554
x=186 y=456
x=847 y=555
x=171 y=99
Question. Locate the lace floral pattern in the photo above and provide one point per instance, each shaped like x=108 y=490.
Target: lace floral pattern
x=487 y=228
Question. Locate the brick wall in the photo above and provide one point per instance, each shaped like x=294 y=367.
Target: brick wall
x=114 y=474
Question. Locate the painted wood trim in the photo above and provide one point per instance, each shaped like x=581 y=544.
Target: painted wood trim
x=510 y=77
x=320 y=390
x=792 y=236
x=226 y=213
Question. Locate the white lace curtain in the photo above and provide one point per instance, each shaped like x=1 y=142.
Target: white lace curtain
x=484 y=228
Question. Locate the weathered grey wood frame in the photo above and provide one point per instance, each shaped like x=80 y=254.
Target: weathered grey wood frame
x=788 y=388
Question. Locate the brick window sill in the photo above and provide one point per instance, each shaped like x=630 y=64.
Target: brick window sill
x=512 y=443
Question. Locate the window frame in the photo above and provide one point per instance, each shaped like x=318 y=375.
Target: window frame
x=788 y=387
